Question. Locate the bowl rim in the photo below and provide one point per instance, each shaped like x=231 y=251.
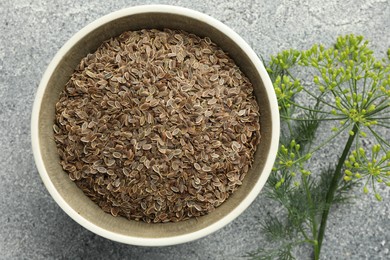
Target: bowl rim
x=165 y=241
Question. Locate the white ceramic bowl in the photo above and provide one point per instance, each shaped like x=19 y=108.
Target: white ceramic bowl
x=73 y=201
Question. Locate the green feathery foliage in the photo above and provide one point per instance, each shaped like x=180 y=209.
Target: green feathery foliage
x=345 y=89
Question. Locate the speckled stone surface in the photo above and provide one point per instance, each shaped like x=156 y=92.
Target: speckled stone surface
x=32 y=226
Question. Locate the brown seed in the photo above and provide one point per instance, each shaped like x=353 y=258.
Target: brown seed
x=168 y=135
x=174 y=189
x=147 y=146
x=206 y=168
x=110 y=162
x=197 y=166
x=197 y=207
x=177 y=152
x=175 y=165
x=208 y=113
x=214 y=77
x=176 y=131
x=199 y=119
x=156 y=168
x=56 y=129
x=117 y=155
x=101 y=169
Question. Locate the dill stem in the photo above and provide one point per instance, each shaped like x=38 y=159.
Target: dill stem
x=312 y=215
x=332 y=189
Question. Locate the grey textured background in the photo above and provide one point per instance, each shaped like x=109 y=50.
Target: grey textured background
x=32 y=226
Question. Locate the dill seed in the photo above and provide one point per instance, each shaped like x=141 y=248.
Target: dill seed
x=156 y=126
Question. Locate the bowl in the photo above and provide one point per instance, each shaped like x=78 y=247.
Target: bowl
x=73 y=201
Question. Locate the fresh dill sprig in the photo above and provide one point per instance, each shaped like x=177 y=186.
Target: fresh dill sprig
x=347 y=90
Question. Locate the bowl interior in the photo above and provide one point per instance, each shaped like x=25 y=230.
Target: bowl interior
x=73 y=196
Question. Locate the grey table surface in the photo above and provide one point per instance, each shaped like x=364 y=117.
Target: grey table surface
x=32 y=226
